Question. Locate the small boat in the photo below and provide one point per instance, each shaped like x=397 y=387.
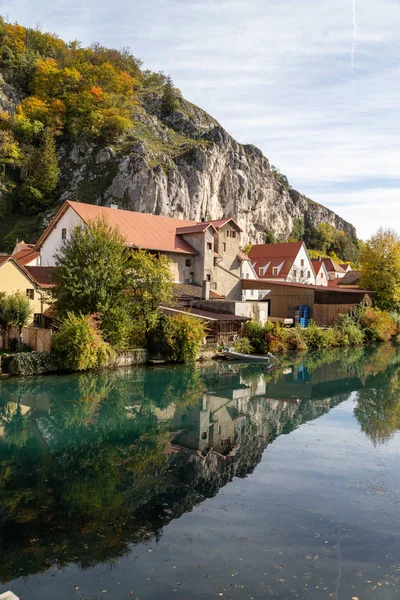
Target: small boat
x=232 y=355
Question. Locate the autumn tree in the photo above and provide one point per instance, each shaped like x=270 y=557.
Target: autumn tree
x=380 y=268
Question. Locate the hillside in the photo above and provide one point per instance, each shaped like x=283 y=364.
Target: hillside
x=90 y=125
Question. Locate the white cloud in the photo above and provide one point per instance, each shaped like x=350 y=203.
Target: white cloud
x=276 y=74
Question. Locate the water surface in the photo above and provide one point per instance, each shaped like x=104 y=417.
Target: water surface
x=225 y=481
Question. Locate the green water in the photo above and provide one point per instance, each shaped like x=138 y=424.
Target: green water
x=224 y=481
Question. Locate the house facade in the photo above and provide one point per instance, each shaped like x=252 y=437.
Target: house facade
x=283 y=262
x=16 y=278
x=206 y=254
x=321 y=274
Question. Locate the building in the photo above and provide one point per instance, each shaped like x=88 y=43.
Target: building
x=350 y=280
x=26 y=254
x=321 y=274
x=206 y=254
x=325 y=304
x=334 y=270
x=34 y=282
x=283 y=262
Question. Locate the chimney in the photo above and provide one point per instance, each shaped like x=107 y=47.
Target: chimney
x=206 y=290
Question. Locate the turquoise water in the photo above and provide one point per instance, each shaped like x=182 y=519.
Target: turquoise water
x=225 y=481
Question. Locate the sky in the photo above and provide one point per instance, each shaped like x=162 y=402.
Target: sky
x=314 y=83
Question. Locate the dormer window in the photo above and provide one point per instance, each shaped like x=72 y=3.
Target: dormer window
x=261 y=271
x=274 y=270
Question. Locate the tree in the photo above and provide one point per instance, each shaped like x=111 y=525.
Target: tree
x=169 y=101
x=298 y=230
x=92 y=270
x=280 y=177
x=380 y=268
x=150 y=285
x=17 y=312
x=270 y=237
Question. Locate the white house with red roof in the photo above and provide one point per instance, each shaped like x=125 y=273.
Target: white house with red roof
x=334 y=270
x=321 y=274
x=201 y=253
x=283 y=262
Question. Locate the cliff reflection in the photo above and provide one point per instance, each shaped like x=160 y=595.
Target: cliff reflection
x=94 y=462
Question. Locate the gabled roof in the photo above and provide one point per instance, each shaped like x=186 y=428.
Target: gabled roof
x=275 y=255
x=351 y=278
x=242 y=256
x=331 y=265
x=25 y=253
x=218 y=223
x=198 y=228
x=140 y=230
x=43 y=276
x=4 y=258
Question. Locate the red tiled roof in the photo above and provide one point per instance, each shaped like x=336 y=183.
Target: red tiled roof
x=218 y=223
x=276 y=255
x=4 y=258
x=331 y=265
x=24 y=257
x=43 y=276
x=242 y=256
x=199 y=228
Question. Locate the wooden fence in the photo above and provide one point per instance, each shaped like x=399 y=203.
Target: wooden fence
x=38 y=339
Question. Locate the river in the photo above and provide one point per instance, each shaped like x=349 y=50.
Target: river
x=221 y=481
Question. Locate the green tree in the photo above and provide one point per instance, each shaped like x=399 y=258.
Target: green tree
x=92 y=270
x=280 y=177
x=169 y=101
x=380 y=268
x=17 y=312
x=298 y=230
x=150 y=285
x=80 y=344
x=270 y=237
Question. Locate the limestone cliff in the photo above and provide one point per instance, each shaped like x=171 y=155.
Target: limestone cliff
x=183 y=165
x=186 y=165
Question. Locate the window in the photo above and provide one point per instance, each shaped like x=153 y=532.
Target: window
x=208 y=277
x=261 y=271
x=63 y=234
x=322 y=275
x=188 y=262
x=224 y=247
x=220 y=429
x=308 y=274
x=247 y=275
x=209 y=245
x=275 y=271
x=191 y=276
x=204 y=435
x=251 y=292
x=302 y=262
x=231 y=234
x=30 y=294
x=301 y=274
x=295 y=273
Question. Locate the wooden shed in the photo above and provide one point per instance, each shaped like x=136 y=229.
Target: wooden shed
x=325 y=304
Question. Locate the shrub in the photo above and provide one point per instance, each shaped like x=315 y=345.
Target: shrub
x=378 y=324
x=256 y=334
x=350 y=335
x=24 y=364
x=117 y=327
x=316 y=337
x=243 y=345
x=295 y=341
x=79 y=343
x=183 y=337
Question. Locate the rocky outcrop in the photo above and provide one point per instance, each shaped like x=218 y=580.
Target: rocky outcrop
x=188 y=166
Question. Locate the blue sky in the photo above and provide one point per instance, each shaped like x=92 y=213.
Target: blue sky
x=276 y=74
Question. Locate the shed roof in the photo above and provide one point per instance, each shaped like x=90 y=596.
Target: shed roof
x=262 y=284
x=207 y=315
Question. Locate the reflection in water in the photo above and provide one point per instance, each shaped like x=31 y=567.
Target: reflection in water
x=91 y=463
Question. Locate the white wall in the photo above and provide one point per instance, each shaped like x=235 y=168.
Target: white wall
x=299 y=268
x=68 y=221
x=247 y=270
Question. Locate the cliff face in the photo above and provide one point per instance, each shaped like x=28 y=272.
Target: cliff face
x=188 y=166
x=184 y=165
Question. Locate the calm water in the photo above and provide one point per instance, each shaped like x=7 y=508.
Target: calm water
x=225 y=481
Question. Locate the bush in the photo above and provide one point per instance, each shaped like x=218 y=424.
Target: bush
x=117 y=327
x=315 y=337
x=244 y=346
x=295 y=341
x=183 y=337
x=257 y=335
x=25 y=364
x=377 y=324
x=350 y=335
x=79 y=343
